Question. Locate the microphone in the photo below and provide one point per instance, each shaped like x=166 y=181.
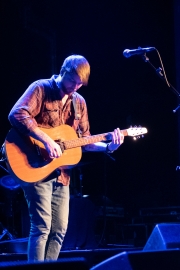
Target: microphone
x=127 y=53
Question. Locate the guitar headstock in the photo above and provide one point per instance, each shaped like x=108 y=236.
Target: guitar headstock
x=136 y=132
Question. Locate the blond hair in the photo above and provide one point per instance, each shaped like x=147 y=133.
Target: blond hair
x=79 y=64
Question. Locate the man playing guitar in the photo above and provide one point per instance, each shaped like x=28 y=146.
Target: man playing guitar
x=46 y=105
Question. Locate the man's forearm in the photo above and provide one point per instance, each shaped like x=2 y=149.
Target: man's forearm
x=95 y=147
x=39 y=135
x=51 y=146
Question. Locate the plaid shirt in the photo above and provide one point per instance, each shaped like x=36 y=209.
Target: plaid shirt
x=41 y=106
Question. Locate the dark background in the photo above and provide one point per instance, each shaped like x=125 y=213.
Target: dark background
x=36 y=36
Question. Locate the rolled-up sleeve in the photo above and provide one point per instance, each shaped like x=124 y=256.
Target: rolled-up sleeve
x=26 y=108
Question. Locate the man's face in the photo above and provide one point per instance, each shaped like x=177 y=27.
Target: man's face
x=71 y=82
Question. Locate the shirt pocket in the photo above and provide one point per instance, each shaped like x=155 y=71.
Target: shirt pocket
x=51 y=114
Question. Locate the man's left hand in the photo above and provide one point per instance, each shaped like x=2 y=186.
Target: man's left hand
x=117 y=140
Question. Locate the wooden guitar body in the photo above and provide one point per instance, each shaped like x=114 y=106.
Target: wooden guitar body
x=28 y=160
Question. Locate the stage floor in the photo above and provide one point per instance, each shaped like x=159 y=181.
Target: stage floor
x=16 y=250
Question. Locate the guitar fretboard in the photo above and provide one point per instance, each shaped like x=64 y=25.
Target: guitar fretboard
x=91 y=139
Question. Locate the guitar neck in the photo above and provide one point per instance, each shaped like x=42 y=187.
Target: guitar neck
x=91 y=139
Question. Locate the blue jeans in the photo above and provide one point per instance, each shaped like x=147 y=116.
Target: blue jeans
x=48 y=205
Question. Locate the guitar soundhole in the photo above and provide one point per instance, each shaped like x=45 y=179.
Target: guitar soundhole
x=61 y=144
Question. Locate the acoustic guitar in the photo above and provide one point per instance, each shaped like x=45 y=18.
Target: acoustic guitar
x=28 y=160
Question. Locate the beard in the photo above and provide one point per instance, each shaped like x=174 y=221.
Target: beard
x=66 y=91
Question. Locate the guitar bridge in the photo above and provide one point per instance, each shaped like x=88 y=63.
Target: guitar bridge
x=42 y=153
x=38 y=149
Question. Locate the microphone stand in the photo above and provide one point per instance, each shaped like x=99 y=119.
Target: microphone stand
x=160 y=73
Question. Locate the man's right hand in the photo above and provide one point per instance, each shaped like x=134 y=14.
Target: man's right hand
x=52 y=148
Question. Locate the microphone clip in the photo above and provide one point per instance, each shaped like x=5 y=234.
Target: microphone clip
x=145 y=58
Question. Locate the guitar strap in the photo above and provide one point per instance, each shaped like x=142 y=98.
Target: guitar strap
x=76 y=106
x=77 y=112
